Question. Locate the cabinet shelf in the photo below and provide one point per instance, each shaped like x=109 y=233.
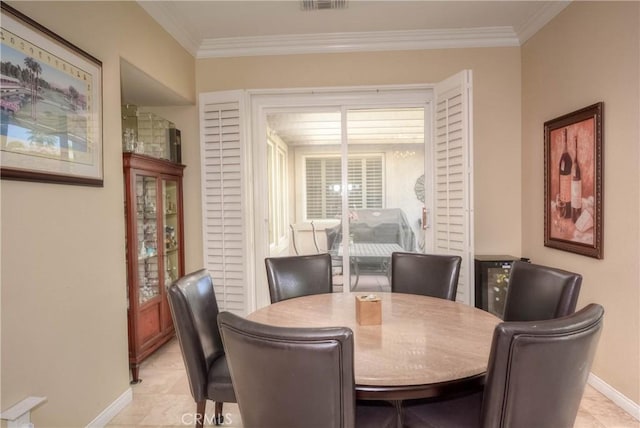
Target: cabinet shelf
x=154 y=217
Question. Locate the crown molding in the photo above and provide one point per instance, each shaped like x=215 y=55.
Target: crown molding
x=362 y=41
x=164 y=13
x=540 y=19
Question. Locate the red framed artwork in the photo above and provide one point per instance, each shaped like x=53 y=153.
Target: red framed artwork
x=573 y=182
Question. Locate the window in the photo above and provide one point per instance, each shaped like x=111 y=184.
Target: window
x=323 y=175
x=277 y=188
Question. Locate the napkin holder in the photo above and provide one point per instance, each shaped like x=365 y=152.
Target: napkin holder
x=368 y=310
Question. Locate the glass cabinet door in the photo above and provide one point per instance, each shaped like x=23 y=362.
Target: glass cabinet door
x=147 y=238
x=171 y=231
x=154 y=223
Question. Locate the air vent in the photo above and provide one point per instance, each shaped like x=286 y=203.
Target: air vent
x=323 y=4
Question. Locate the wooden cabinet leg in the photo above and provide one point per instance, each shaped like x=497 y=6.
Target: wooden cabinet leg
x=135 y=370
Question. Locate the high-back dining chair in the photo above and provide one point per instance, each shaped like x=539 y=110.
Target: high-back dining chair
x=432 y=275
x=536 y=376
x=296 y=276
x=295 y=377
x=194 y=310
x=538 y=292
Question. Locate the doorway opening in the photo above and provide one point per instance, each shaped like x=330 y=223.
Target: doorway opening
x=365 y=164
x=261 y=191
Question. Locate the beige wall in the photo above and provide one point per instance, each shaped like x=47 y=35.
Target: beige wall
x=64 y=320
x=496 y=92
x=63 y=307
x=590 y=53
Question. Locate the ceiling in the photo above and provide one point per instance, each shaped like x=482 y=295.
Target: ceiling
x=266 y=27
x=365 y=126
x=233 y=28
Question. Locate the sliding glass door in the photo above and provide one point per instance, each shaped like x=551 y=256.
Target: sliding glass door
x=385 y=160
x=363 y=165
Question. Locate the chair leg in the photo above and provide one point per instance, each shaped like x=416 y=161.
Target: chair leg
x=200 y=409
x=219 y=417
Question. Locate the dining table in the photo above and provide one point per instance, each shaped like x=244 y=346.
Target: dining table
x=424 y=347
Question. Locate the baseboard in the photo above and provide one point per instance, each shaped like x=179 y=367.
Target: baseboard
x=112 y=409
x=614 y=395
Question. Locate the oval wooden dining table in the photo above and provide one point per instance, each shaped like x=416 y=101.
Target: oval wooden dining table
x=424 y=347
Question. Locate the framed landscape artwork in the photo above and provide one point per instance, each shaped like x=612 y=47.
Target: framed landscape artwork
x=50 y=106
x=573 y=195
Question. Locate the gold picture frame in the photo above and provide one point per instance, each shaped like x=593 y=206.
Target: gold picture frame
x=51 y=106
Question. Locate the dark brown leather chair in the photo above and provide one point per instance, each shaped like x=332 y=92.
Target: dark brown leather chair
x=195 y=310
x=540 y=293
x=432 y=275
x=296 y=276
x=295 y=377
x=536 y=376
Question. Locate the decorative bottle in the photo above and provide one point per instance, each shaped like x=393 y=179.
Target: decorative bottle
x=576 y=186
x=565 y=177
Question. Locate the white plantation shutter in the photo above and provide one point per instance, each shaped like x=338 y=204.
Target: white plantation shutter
x=222 y=203
x=453 y=176
x=322 y=173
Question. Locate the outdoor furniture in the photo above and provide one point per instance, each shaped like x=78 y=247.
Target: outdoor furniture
x=373 y=235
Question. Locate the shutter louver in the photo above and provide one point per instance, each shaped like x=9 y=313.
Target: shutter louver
x=224 y=253
x=374 y=188
x=315 y=189
x=333 y=199
x=356 y=184
x=453 y=214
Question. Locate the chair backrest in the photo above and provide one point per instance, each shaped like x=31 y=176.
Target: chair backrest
x=432 y=275
x=290 y=377
x=538 y=293
x=296 y=276
x=537 y=370
x=194 y=310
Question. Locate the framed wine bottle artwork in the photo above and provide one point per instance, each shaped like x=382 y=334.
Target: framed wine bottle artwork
x=573 y=194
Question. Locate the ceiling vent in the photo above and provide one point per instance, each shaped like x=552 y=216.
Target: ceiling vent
x=323 y=4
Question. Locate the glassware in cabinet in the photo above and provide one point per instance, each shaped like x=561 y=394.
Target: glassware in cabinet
x=172 y=230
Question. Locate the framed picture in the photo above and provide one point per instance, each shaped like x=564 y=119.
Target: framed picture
x=50 y=105
x=573 y=194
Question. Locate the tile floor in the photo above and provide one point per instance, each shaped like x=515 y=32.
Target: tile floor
x=163 y=399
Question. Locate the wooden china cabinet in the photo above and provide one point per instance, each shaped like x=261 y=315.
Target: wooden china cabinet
x=155 y=250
